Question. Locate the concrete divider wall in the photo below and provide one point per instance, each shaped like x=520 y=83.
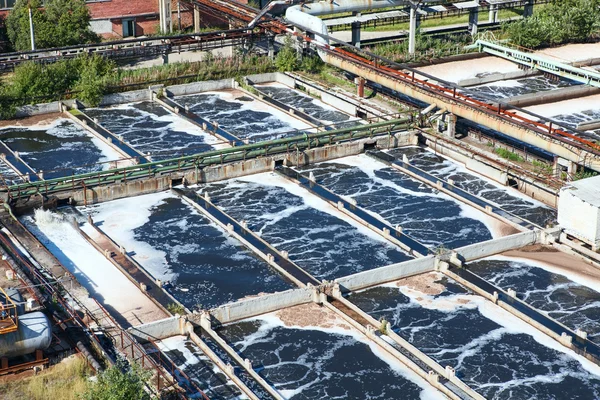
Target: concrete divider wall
x=552 y=96
x=338 y=103
x=262 y=304
x=158 y=330
x=199 y=87
x=388 y=273
x=40 y=109
x=125 y=97
x=157 y=184
x=272 y=77
x=497 y=77
x=500 y=245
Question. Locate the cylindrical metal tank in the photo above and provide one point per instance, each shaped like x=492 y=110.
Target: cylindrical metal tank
x=16 y=297
x=34 y=333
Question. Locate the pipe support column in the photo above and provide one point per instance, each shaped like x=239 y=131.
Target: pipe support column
x=412 y=39
x=197 y=19
x=356 y=31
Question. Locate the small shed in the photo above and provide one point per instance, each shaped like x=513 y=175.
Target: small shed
x=579 y=210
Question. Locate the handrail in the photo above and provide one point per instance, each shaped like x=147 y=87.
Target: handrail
x=207 y=158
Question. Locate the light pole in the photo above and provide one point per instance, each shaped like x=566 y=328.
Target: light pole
x=31 y=29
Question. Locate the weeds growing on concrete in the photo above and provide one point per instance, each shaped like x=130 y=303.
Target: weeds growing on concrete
x=509 y=155
x=66 y=381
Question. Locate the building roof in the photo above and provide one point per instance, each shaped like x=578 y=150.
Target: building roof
x=587 y=190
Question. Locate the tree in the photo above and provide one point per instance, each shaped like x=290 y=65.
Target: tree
x=17 y=25
x=71 y=19
x=119 y=382
x=62 y=23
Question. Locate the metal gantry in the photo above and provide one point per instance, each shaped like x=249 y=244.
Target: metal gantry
x=544 y=64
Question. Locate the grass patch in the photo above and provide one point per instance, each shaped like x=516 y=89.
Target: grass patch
x=65 y=381
x=509 y=155
x=175 y=308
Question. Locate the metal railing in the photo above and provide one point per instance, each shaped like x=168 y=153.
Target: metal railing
x=198 y=161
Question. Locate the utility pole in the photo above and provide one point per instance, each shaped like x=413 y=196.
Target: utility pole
x=31 y=29
x=179 y=14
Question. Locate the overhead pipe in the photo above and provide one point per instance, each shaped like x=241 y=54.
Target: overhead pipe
x=305 y=15
x=266 y=9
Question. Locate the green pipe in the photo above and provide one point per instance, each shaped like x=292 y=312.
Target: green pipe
x=208 y=158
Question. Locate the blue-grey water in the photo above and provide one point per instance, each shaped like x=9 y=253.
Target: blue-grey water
x=208 y=267
x=8 y=176
x=312 y=364
x=313 y=107
x=495 y=357
x=573 y=119
x=150 y=128
x=188 y=357
x=575 y=305
x=242 y=116
x=60 y=150
x=505 y=89
x=325 y=245
x=421 y=211
x=513 y=202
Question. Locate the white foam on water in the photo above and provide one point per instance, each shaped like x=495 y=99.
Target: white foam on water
x=510 y=323
x=270 y=321
x=311 y=200
x=183 y=344
x=567 y=107
x=43 y=126
x=572 y=275
x=368 y=165
x=459 y=70
x=315 y=101
x=119 y=218
x=98 y=275
x=455 y=166
x=509 y=83
x=108 y=153
x=179 y=343
x=255 y=105
x=175 y=122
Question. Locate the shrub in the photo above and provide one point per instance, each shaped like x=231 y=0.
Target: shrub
x=287 y=58
x=556 y=23
x=119 y=382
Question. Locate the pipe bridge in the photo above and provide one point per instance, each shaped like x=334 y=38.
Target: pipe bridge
x=134 y=48
x=176 y=166
x=534 y=61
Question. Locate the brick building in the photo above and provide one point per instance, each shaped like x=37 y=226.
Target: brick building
x=129 y=18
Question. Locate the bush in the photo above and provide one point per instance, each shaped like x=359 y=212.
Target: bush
x=33 y=82
x=119 y=382
x=556 y=23
x=287 y=58
x=312 y=64
x=175 y=308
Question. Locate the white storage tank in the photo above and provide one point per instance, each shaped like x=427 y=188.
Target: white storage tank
x=34 y=333
x=579 y=210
